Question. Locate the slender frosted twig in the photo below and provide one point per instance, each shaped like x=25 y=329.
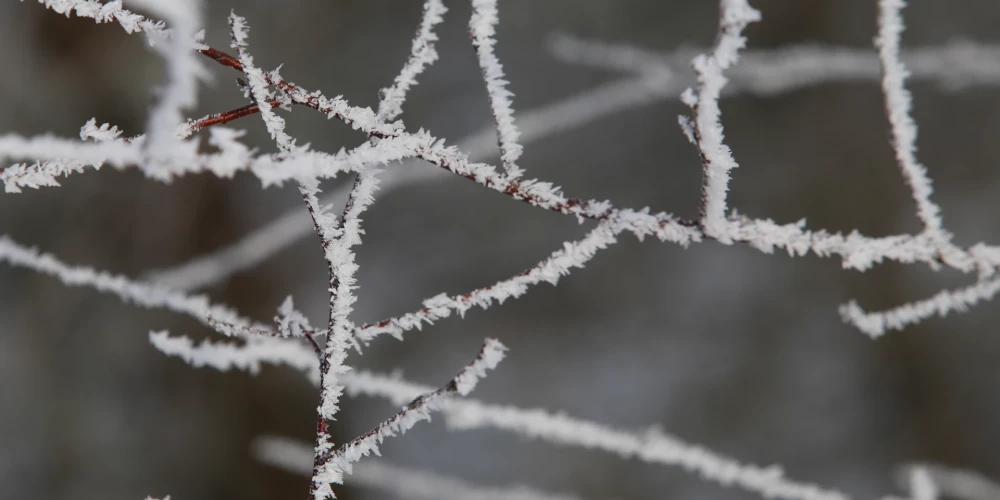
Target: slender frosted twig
x=248 y=356
x=108 y=12
x=954 y=65
x=258 y=84
x=331 y=467
x=233 y=156
x=897 y=104
x=141 y=294
x=422 y=55
x=876 y=324
x=482 y=29
x=363 y=119
x=337 y=240
x=572 y=255
x=405 y=482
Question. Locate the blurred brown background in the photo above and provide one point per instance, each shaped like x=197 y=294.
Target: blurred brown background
x=725 y=346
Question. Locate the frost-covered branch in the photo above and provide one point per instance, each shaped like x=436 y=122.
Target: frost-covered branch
x=536 y=124
x=705 y=129
x=897 y=104
x=258 y=84
x=141 y=294
x=652 y=446
x=422 y=55
x=297 y=458
x=331 y=467
x=249 y=355
x=876 y=324
x=572 y=255
x=363 y=119
x=482 y=29
x=337 y=239
x=184 y=69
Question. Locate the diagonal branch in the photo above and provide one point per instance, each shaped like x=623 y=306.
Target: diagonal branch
x=336 y=464
x=422 y=55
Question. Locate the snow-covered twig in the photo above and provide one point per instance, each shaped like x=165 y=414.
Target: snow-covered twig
x=422 y=55
x=955 y=64
x=297 y=458
x=572 y=255
x=331 y=468
x=258 y=84
x=363 y=119
x=704 y=129
x=897 y=104
x=337 y=240
x=51 y=154
x=247 y=356
x=876 y=324
x=141 y=294
x=482 y=29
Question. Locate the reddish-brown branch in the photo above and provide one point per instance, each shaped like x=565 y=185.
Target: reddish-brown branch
x=305 y=98
x=223 y=58
x=228 y=116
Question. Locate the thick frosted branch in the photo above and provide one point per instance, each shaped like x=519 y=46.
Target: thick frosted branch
x=404 y=482
x=897 y=104
x=422 y=55
x=572 y=255
x=482 y=29
x=184 y=69
x=705 y=130
x=336 y=464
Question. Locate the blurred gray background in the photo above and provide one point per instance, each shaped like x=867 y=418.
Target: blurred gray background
x=740 y=351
